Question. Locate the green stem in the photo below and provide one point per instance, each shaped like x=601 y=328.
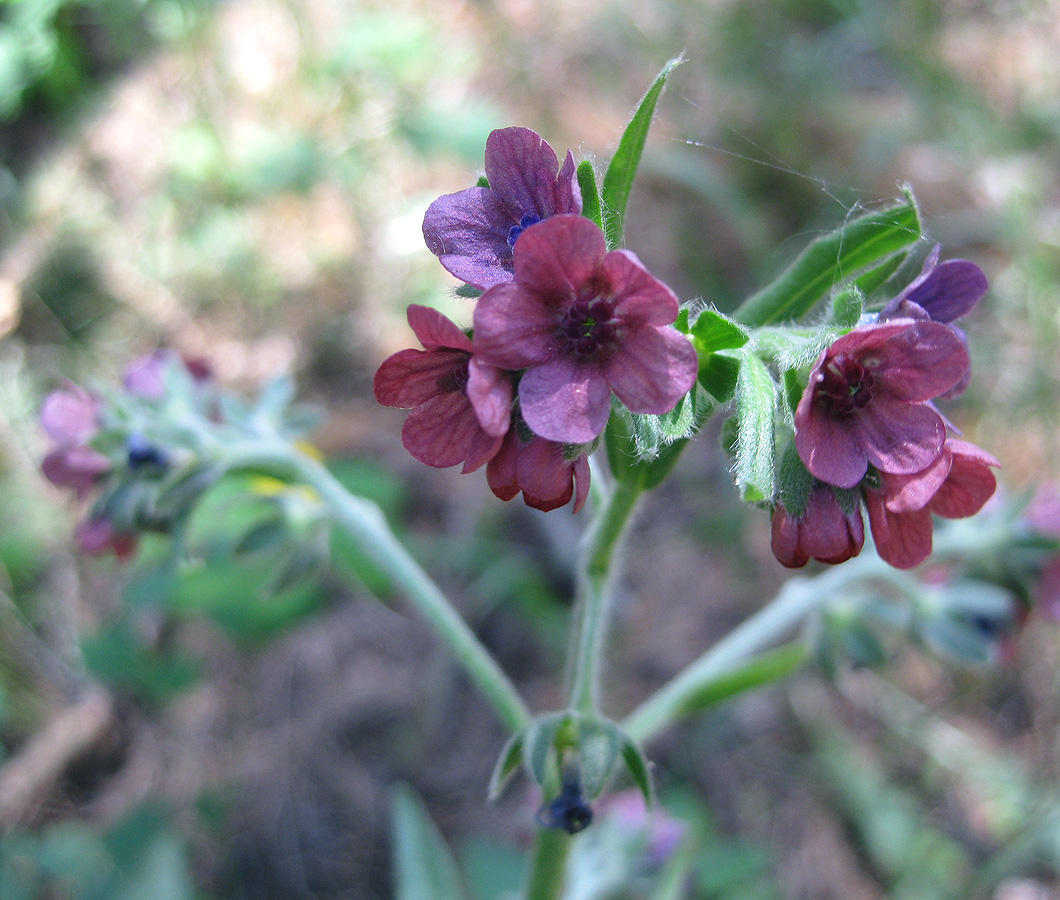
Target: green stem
x=796 y=599
x=367 y=525
x=548 y=865
x=594 y=594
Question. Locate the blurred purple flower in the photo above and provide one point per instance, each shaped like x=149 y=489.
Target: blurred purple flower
x=70 y=416
x=825 y=531
x=97 y=536
x=473 y=232
x=540 y=469
x=956 y=485
x=460 y=407
x=867 y=400
x=583 y=322
x=146 y=377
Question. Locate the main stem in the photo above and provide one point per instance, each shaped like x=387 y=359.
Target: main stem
x=367 y=525
x=595 y=584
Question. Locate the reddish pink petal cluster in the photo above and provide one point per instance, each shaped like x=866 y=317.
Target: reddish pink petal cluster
x=530 y=392
x=825 y=531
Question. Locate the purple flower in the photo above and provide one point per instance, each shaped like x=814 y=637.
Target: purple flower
x=955 y=485
x=867 y=400
x=460 y=406
x=473 y=232
x=540 y=469
x=583 y=322
x=943 y=293
x=825 y=531
x=71 y=418
x=97 y=536
x=146 y=376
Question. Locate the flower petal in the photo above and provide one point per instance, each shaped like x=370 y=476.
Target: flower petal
x=640 y=297
x=652 y=369
x=411 y=377
x=784 y=540
x=827 y=445
x=490 y=391
x=514 y=328
x=70 y=415
x=899 y=438
x=565 y=401
x=950 y=290
x=500 y=471
x=523 y=170
x=435 y=331
x=914 y=362
x=441 y=432
x=468 y=232
x=545 y=476
x=902 y=539
x=558 y=256
x=908 y=493
x=970 y=483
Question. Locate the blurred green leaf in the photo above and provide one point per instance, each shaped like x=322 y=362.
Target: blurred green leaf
x=424 y=868
x=507 y=763
x=590 y=192
x=599 y=745
x=638 y=767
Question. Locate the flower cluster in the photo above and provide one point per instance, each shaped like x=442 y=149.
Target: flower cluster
x=868 y=431
x=562 y=325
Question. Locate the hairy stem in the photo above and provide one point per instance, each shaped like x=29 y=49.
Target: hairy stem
x=548 y=865
x=594 y=594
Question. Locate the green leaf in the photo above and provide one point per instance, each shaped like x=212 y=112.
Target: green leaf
x=714 y=331
x=638 y=767
x=717 y=374
x=847 y=306
x=761 y=670
x=875 y=278
x=652 y=433
x=830 y=259
x=756 y=404
x=268 y=535
x=424 y=869
x=590 y=192
x=618 y=180
x=599 y=743
x=509 y=760
x=276 y=396
x=794 y=387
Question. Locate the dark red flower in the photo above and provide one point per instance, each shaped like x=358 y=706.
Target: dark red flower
x=956 y=485
x=97 y=537
x=473 y=232
x=867 y=400
x=460 y=407
x=583 y=322
x=825 y=531
x=542 y=470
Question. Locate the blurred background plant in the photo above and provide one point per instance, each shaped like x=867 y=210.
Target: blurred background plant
x=244 y=182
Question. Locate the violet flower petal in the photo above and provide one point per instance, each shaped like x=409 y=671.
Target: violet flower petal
x=557 y=259
x=900 y=438
x=522 y=168
x=411 y=377
x=565 y=401
x=902 y=539
x=829 y=446
x=652 y=369
x=544 y=475
x=970 y=483
x=468 y=232
x=913 y=361
x=640 y=297
x=441 y=431
x=514 y=328
x=490 y=391
x=908 y=493
x=950 y=290
x=435 y=331
x=70 y=415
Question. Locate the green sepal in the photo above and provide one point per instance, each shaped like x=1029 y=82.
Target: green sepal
x=756 y=404
x=829 y=260
x=652 y=433
x=713 y=331
x=638 y=767
x=794 y=387
x=847 y=306
x=424 y=867
x=717 y=374
x=794 y=482
x=483 y=182
x=599 y=744
x=618 y=180
x=507 y=763
x=540 y=745
x=590 y=192
x=468 y=292
x=642 y=450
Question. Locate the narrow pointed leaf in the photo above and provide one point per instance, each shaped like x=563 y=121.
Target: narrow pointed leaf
x=590 y=192
x=599 y=744
x=540 y=746
x=618 y=180
x=841 y=254
x=424 y=868
x=509 y=760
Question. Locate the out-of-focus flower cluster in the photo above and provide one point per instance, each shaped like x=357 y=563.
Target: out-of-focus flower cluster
x=143 y=456
x=562 y=326
x=869 y=434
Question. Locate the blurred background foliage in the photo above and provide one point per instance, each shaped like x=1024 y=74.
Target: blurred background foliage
x=245 y=181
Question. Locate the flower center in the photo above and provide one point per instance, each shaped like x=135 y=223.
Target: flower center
x=589 y=327
x=455 y=379
x=846 y=387
x=516 y=230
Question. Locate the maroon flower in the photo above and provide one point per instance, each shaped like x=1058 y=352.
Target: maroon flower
x=825 y=531
x=956 y=485
x=540 y=469
x=583 y=323
x=97 y=536
x=460 y=406
x=473 y=232
x=71 y=418
x=867 y=400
